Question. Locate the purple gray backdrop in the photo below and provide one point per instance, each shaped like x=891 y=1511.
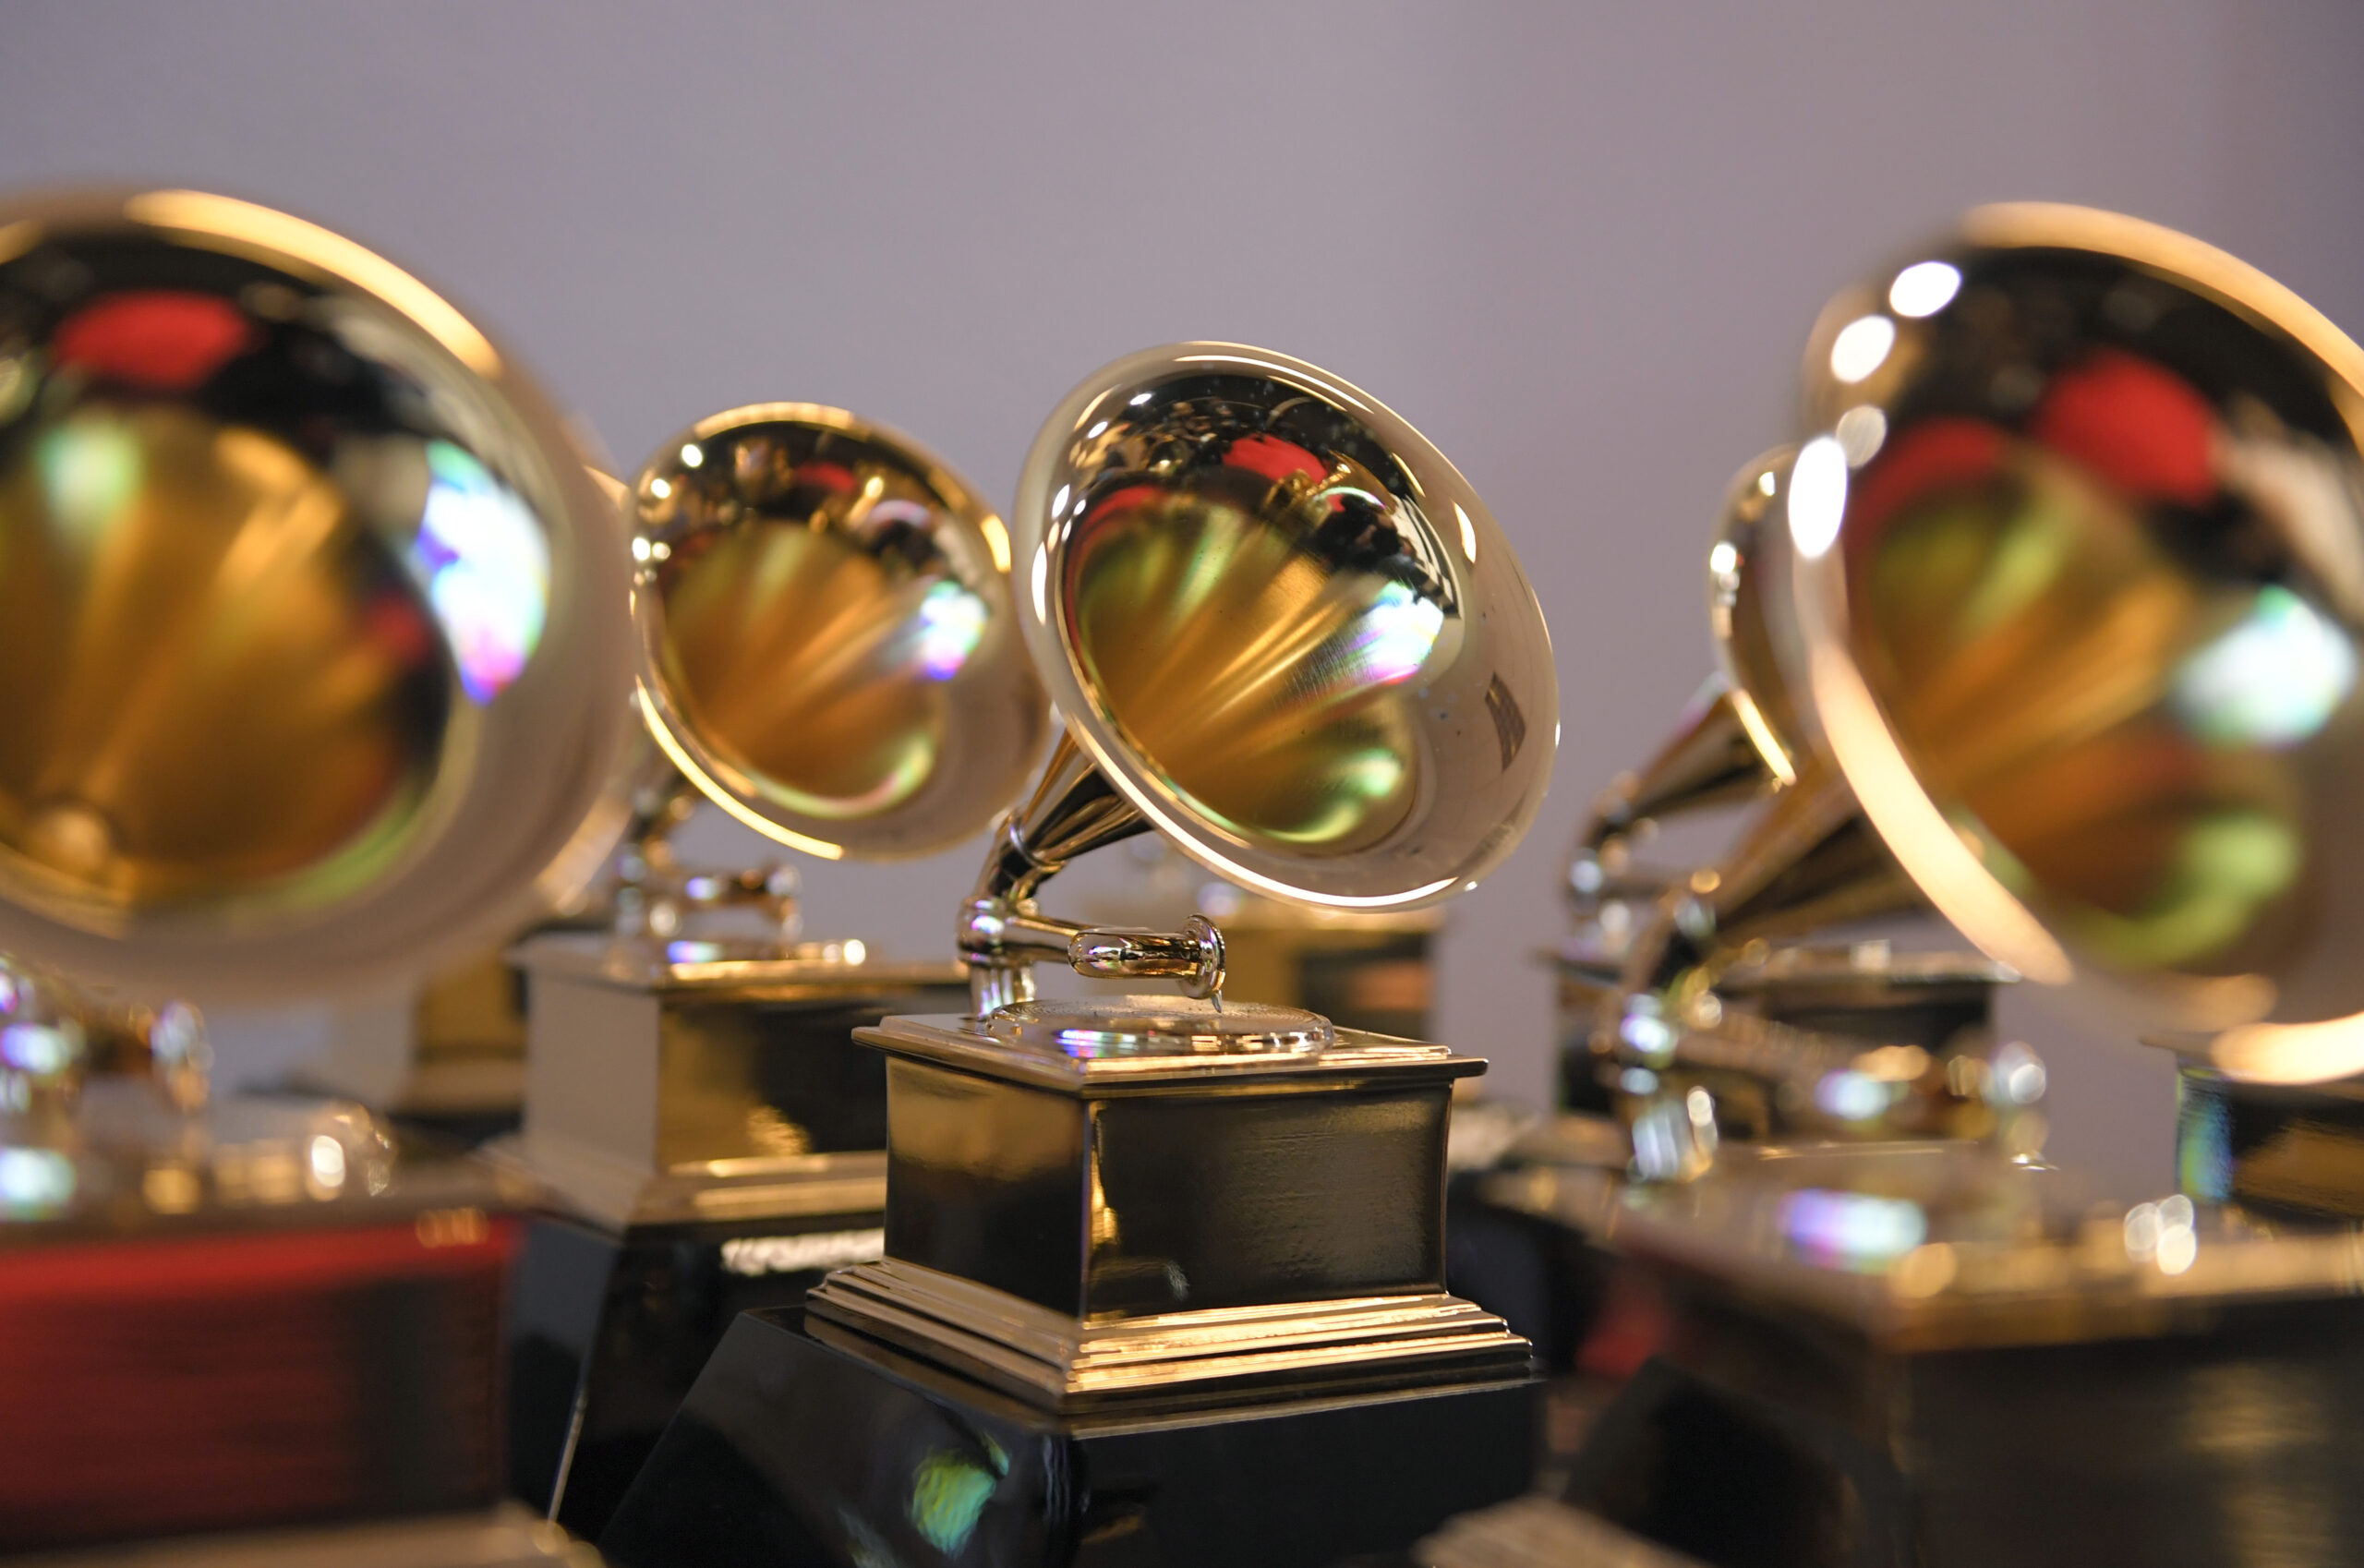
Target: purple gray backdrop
x=1579 y=245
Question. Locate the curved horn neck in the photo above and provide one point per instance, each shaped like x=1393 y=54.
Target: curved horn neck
x=1809 y=860
x=1073 y=809
x=1711 y=760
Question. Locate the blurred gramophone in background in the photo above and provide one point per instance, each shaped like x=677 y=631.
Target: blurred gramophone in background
x=828 y=654
x=1785 y=974
x=2074 y=563
x=311 y=645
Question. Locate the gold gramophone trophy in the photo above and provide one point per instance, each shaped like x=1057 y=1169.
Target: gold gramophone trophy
x=1164 y=1274
x=2077 y=549
x=1826 y=1009
x=1810 y=1013
x=312 y=654
x=828 y=652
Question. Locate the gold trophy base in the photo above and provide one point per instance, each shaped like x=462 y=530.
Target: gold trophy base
x=1064 y=1363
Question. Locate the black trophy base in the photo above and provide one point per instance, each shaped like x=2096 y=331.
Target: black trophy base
x=804 y=1445
x=2230 y=1441
x=607 y=1333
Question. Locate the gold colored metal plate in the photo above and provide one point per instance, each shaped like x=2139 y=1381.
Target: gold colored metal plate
x=273 y=727
x=1157 y=1027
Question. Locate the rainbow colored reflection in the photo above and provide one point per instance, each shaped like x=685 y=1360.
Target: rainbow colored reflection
x=951 y=624
x=1851 y=1230
x=486 y=567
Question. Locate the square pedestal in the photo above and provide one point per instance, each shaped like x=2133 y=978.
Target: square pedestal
x=804 y=1445
x=1926 y=1357
x=1083 y=1229
x=715 y=1140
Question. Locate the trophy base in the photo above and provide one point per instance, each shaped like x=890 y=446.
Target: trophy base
x=200 y=1342
x=1926 y=1355
x=611 y=1325
x=714 y=1138
x=1062 y=1363
x=2225 y=1447
x=804 y=1443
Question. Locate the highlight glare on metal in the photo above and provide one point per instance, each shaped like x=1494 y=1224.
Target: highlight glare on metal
x=720 y=795
x=202 y=218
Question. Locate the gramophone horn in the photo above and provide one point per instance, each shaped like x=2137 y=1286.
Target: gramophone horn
x=1285 y=631
x=827 y=648
x=1812 y=862
x=311 y=623
x=1735 y=740
x=2080 y=582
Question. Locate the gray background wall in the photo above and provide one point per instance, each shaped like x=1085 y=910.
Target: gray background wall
x=1580 y=245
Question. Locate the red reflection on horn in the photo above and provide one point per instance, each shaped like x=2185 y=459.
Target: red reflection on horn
x=164 y=340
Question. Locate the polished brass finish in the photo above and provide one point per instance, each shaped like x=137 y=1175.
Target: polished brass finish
x=1135 y=1034
x=55 y=1035
x=1680 y=982
x=1154 y=1198
x=828 y=653
x=2077 y=544
x=2080 y=581
x=310 y=623
x=1285 y=633
x=1071 y=1364
x=827 y=643
x=687 y=1077
x=313 y=646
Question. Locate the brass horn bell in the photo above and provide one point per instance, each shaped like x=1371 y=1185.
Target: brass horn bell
x=314 y=666
x=1285 y=633
x=826 y=643
x=2078 y=550
x=1739 y=741
x=312 y=627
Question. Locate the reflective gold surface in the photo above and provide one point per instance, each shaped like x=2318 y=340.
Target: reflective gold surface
x=1697 y=1002
x=1083 y=1216
x=826 y=625
x=1285 y=627
x=310 y=624
x=2081 y=573
x=1749 y=609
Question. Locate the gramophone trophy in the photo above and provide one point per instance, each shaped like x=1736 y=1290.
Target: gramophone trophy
x=1164 y=1274
x=1821 y=1010
x=312 y=653
x=2075 y=544
x=829 y=654
x=1806 y=1016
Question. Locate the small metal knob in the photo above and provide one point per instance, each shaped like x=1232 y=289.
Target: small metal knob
x=1193 y=955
